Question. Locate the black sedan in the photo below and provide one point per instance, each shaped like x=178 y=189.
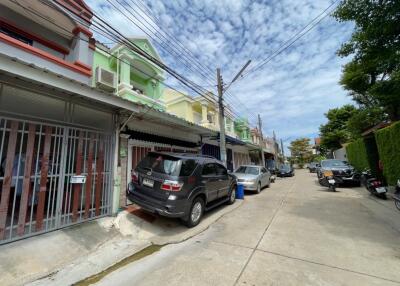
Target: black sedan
x=342 y=171
x=286 y=171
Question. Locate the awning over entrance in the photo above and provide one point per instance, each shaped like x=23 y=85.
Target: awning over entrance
x=230 y=140
x=137 y=135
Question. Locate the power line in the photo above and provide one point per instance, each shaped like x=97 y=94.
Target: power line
x=106 y=51
x=159 y=24
x=148 y=32
x=291 y=41
x=109 y=34
x=176 y=42
x=142 y=30
x=129 y=44
x=160 y=28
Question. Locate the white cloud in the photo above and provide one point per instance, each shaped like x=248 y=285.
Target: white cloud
x=292 y=91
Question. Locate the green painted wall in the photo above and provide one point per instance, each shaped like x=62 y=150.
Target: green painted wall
x=242 y=129
x=152 y=88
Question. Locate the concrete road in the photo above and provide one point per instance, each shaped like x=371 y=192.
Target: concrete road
x=294 y=233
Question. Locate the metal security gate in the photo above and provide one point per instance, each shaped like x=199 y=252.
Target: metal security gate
x=211 y=150
x=51 y=176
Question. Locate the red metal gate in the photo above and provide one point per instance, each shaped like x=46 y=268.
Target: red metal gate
x=51 y=176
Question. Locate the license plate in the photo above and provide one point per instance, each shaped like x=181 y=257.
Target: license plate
x=331 y=182
x=381 y=190
x=148 y=183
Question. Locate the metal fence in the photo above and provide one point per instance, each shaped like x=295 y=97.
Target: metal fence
x=51 y=176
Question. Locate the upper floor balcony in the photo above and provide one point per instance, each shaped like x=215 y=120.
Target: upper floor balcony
x=200 y=110
x=128 y=74
x=52 y=35
x=243 y=130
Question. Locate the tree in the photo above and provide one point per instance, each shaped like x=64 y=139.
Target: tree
x=335 y=132
x=363 y=119
x=347 y=123
x=372 y=77
x=301 y=151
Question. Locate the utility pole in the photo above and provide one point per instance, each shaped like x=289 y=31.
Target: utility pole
x=222 y=143
x=261 y=140
x=283 y=151
x=276 y=150
x=221 y=116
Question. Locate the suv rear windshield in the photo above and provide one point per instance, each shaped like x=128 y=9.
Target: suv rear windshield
x=167 y=164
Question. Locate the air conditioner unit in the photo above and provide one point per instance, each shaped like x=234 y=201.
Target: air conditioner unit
x=105 y=79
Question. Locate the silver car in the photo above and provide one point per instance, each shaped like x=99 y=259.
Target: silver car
x=253 y=178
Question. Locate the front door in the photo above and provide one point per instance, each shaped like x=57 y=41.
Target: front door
x=51 y=176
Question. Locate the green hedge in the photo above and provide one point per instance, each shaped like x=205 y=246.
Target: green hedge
x=388 y=142
x=357 y=155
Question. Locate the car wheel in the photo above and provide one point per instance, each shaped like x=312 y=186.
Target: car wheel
x=269 y=183
x=196 y=213
x=258 y=188
x=232 y=196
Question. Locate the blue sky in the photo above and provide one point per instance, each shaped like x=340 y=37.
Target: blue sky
x=292 y=92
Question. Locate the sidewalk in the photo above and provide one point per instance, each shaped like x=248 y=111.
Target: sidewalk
x=69 y=255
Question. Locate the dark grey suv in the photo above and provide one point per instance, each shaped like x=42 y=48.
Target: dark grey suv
x=181 y=185
x=342 y=171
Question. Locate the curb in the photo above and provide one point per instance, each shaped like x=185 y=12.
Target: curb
x=84 y=268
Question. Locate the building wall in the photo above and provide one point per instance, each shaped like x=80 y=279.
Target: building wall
x=181 y=109
x=340 y=154
x=67 y=55
x=29 y=26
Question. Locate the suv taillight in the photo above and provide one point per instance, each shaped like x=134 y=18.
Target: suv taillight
x=171 y=186
x=134 y=177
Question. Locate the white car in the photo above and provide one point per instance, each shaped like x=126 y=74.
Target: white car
x=253 y=178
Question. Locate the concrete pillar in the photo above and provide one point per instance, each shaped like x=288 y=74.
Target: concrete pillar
x=125 y=72
x=117 y=175
x=204 y=112
x=80 y=47
x=123 y=155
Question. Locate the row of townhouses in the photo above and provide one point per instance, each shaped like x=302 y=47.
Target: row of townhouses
x=77 y=116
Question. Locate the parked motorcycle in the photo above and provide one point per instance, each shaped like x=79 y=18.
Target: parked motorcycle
x=373 y=185
x=328 y=180
x=396 y=196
